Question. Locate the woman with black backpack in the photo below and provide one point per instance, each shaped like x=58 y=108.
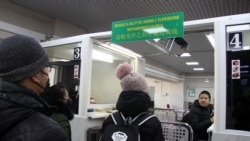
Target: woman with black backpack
x=133 y=119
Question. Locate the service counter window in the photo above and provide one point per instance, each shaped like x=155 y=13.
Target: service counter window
x=238 y=77
x=63 y=69
x=105 y=87
x=87 y=66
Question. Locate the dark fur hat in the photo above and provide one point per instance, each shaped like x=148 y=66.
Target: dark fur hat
x=21 y=57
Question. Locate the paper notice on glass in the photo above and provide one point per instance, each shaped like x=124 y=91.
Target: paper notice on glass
x=235 y=69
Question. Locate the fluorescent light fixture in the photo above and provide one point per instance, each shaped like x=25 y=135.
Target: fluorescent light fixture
x=206 y=80
x=246 y=47
x=156 y=40
x=155 y=30
x=238 y=28
x=210 y=38
x=122 y=50
x=192 y=63
x=198 y=69
x=97 y=55
x=185 y=54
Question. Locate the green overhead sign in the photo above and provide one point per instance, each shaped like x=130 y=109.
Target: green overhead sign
x=147 y=28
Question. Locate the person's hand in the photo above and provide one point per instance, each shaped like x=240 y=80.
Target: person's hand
x=212 y=119
x=212 y=113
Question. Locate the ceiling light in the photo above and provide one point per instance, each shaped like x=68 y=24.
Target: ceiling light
x=97 y=55
x=246 y=48
x=238 y=28
x=155 y=30
x=124 y=50
x=156 y=40
x=210 y=37
x=185 y=54
x=198 y=69
x=120 y=49
x=206 y=80
x=192 y=63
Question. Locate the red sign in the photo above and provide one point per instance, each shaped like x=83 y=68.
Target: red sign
x=76 y=71
x=235 y=69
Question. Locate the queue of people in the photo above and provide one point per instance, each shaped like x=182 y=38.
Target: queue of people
x=31 y=110
x=58 y=98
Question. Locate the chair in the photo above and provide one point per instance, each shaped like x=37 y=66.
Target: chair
x=165 y=114
x=177 y=131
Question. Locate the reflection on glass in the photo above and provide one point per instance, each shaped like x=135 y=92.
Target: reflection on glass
x=63 y=66
x=105 y=87
x=238 y=78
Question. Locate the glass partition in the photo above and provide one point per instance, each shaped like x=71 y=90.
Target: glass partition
x=105 y=87
x=63 y=69
x=238 y=77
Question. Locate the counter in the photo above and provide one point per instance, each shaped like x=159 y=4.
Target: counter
x=100 y=110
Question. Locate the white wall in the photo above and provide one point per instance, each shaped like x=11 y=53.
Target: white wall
x=105 y=87
x=199 y=84
x=79 y=127
x=167 y=93
x=65 y=29
x=30 y=20
x=26 y=19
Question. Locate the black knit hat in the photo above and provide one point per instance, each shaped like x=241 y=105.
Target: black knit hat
x=21 y=57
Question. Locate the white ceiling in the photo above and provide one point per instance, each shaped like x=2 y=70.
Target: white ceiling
x=98 y=15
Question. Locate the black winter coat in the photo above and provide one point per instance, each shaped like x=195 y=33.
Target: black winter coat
x=199 y=120
x=62 y=114
x=132 y=103
x=23 y=116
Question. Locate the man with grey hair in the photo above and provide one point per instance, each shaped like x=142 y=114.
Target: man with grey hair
x=23 y=78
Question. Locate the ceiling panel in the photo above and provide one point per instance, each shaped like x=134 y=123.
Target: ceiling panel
x=98 y=15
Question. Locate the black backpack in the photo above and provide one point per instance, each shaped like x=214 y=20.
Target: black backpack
x=124 y=129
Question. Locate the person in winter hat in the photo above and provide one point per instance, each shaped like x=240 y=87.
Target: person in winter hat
x=58 y=97
x=133 y=100
x=23 y=78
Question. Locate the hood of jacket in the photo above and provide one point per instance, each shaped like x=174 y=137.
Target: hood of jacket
x=64 y=109
x=17 y=103
x=132 y=103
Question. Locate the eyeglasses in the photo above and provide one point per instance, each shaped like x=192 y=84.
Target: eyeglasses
x=44 y=73
x=49 y=69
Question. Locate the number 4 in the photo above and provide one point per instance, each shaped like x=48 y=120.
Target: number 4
x=236 y=40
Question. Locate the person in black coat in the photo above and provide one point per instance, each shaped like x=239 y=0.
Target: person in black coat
x=200 y=116
x=58 y=98
x=133 y=100
x=23 y=79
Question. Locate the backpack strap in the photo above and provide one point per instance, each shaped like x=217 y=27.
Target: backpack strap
x=118 y=118
x=146 y=118
x=143 y=118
